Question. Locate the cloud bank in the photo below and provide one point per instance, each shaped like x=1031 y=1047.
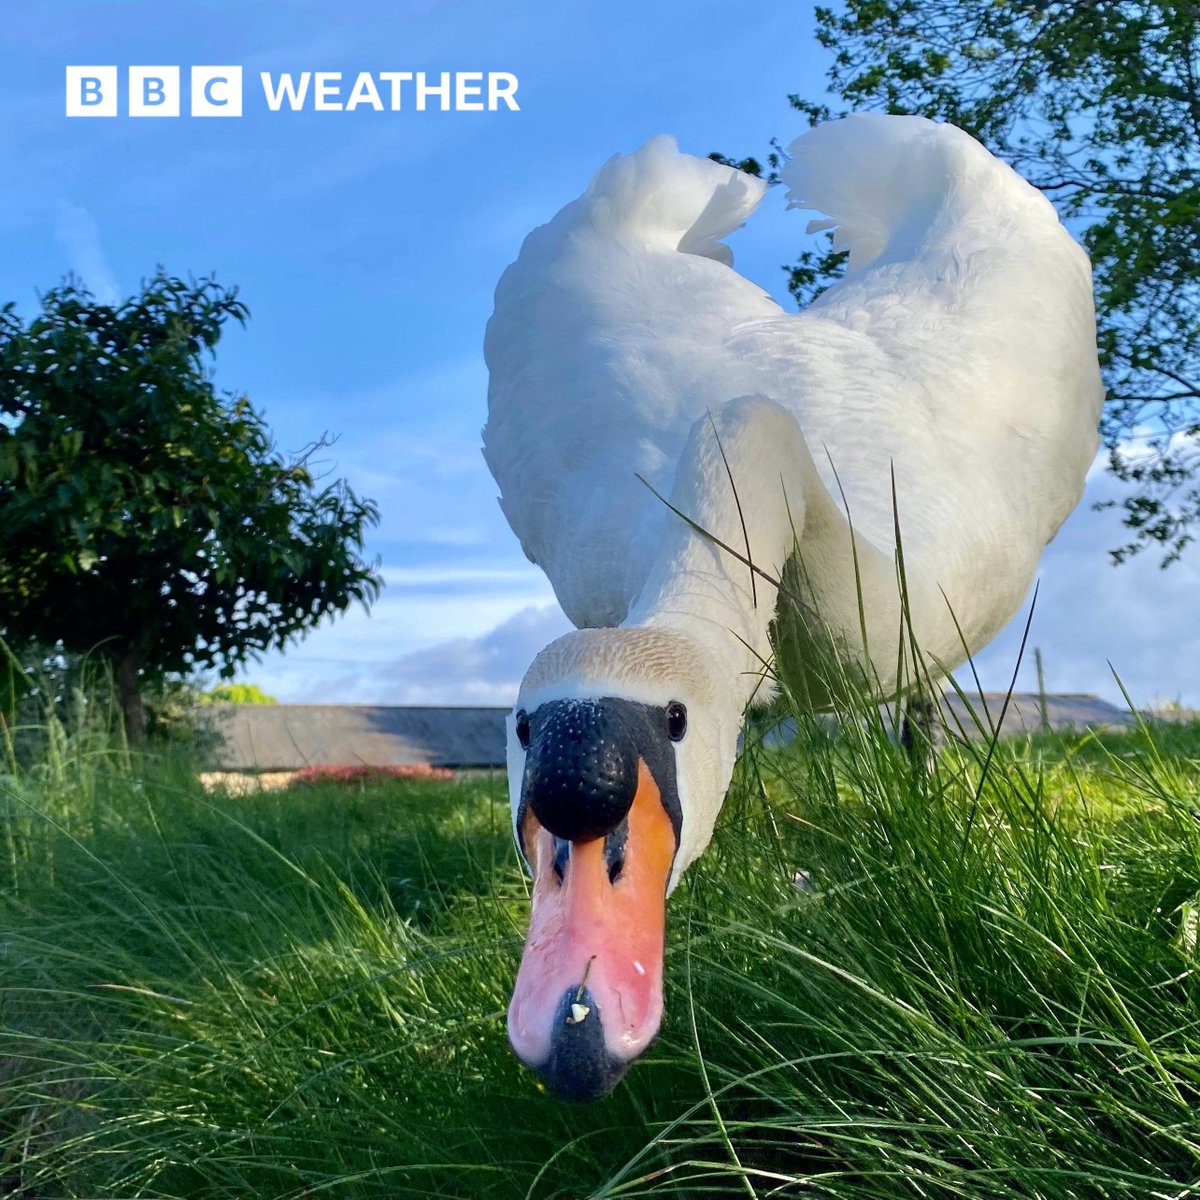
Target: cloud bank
x=464 y=634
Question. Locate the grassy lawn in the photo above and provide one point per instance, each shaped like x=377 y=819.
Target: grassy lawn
x=990 y=989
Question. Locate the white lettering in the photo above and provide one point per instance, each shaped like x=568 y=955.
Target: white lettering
x=467 y=85
x=425 y=90
x=287 y=89
x=395 y=78
x=364 y=92
x=154 y=91
x=91 y=91
x=321 y=91
x=216 y=91
x=328 y=89
x=502 y=86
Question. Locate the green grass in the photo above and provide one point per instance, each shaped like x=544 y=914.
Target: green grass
x=990 y=991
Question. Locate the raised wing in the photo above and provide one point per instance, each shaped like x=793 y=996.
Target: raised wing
x=606 y=343
x=956 y=357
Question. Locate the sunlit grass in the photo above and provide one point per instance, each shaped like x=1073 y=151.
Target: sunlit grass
x=988 y=988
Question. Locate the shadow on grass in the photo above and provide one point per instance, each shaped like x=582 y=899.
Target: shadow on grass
x=985 y=989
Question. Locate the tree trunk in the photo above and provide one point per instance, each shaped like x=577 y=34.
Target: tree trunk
x=129 y=691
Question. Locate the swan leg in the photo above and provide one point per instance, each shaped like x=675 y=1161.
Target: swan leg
x=920 y=729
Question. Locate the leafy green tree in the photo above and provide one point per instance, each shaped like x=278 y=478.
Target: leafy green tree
x=145 y=515
x=237 y=693
x=1097 y=103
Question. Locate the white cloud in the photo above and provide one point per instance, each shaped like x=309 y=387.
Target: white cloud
x=465 y=631
x=76 y=231
x=485 y=668
x=1141 y=618
x=429 y=614
x=480 y=670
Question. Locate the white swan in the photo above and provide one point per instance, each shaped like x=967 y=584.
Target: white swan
x=955 y=363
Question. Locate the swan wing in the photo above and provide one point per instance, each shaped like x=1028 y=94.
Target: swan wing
x=960 y=346
x=948 y=383
x=955 y=361
x=604 y=347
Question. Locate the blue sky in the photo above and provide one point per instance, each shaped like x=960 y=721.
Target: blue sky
x=367 y=246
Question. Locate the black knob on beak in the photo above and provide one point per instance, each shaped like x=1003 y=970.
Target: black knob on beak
x=580 y=1066
x=581 y=769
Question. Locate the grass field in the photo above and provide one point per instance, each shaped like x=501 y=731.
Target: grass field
x=990 y=990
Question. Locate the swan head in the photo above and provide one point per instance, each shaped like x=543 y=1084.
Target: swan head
x=620 y=749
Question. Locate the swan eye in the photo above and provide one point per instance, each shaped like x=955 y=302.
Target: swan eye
x=523 y=729
x=676 y=721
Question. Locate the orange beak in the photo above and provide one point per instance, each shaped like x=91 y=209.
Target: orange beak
x=588 y=997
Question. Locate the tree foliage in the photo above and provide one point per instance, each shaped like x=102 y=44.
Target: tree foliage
x=1097 y=103
x=146 y=515
x=237 y=693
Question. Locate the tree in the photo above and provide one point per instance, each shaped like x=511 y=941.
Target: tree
x=143 y=514
x=1097 y=103
x=236 y=693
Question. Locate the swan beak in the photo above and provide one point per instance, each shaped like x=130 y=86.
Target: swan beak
x=588 y=997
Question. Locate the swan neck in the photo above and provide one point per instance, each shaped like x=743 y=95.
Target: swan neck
x=739 y=498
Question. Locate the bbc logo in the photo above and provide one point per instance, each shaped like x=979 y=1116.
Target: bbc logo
x=154 y=91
